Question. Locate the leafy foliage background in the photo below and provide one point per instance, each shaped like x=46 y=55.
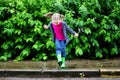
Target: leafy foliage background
x=22 y=35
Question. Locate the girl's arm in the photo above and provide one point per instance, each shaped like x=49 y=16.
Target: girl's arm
x=71 y=31
x=47 y=26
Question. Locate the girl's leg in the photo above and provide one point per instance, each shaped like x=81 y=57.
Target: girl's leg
x=63 y=45
x=58 y=51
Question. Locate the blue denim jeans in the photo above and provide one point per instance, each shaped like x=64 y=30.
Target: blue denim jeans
x=60 y=47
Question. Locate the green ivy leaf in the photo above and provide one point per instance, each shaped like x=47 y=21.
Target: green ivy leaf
x=117 y=35
x=7 y=45
x=45 y=57
x=19 y=46
x=95 y=42
x=29 y=40
x=114 y=50
x=40 y=56
x=102 y=32
x=4 y=58
x=59 y=6
x=87 y=31
x=86 y=46
x=49 y=44
x=99 y=54
x=19 y=39
x=78 y=51
x=37 y=45
x=31 y=22
x=25 y=52
x=108 y=37
x=83 y=10
x=18 y=32
x=98 y=5
x=84 y=39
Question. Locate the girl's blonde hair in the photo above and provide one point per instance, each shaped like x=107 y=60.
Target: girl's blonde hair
x=50 y=14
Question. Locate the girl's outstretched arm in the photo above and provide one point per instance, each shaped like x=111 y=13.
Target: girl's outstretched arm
x=71 y=31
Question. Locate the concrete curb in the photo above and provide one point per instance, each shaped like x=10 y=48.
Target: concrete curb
x=59 y=73
x=110 y=72
x=50 y=73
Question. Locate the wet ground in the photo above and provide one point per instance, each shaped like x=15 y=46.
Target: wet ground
x=70 y=64
x=106 y=64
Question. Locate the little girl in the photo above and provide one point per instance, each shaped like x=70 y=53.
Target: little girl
x=58 y=28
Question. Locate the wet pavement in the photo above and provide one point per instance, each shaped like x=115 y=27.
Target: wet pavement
x=70 y=64
x=107 y=69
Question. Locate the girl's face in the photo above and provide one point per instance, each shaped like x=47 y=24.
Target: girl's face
x=56 y=21
x=56 y=18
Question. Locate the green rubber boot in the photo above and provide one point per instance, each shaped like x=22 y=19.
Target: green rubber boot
x=63 y=63
x=59 y=58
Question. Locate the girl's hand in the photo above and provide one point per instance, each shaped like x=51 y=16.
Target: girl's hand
x=45 y=26
x=76 y=34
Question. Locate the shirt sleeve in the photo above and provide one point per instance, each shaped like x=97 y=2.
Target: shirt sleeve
x=69 y=29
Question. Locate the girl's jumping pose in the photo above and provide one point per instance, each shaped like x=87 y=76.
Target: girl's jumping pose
x=58 y=28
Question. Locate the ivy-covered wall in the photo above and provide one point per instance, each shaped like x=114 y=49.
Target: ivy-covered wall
x=22 y=35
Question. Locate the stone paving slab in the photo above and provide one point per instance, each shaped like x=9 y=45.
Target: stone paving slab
x=70 y=64
x=51 y=73
x=60 y=73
